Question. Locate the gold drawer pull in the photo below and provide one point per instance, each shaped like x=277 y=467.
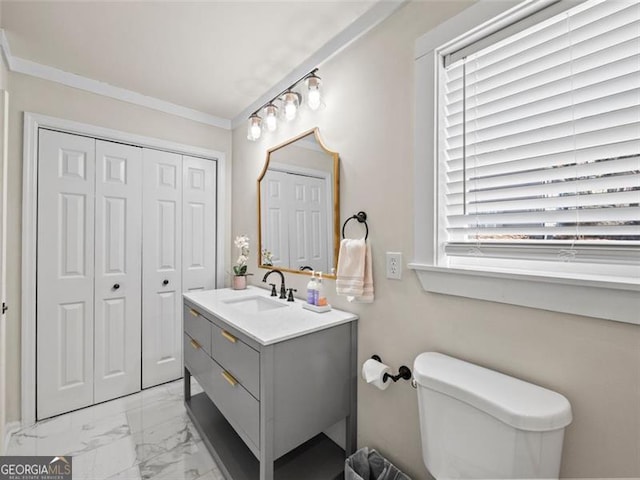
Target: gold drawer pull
x=195 y=344
x=228 y=336
x=193 y=312
x=229 y=378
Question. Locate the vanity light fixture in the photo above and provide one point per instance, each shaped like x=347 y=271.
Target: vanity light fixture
x=290 y=103
x=255 y=127
x=313 y=91
x=271 y=117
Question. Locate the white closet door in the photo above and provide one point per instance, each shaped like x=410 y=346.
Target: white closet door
x=66 y=179
x=118 y=252
x=274 y=205
x=198 y=224
x=308 y=223
x=161 y=269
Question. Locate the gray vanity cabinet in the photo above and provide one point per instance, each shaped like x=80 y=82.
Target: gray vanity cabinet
x=262 y=403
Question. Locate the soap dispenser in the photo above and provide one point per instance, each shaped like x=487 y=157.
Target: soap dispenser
x=312 y=287
x=321 y=299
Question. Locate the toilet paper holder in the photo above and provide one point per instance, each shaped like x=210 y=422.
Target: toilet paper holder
x=404 y=372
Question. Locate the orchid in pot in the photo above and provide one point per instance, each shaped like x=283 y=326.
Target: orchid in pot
x=267 y=257
x=240 y=268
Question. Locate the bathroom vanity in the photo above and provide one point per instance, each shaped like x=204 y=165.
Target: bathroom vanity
x=275 y=376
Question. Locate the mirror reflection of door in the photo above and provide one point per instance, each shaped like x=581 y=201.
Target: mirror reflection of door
x=298 y=194
x=297 y=205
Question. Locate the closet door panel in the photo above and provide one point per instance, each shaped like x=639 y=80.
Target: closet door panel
x=162 y=267
x=66 y=186
x=273 y=203
x=308 y=221
x=199 y=224
x=118 y=276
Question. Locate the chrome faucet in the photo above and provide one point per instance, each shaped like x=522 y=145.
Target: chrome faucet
x=283 y=288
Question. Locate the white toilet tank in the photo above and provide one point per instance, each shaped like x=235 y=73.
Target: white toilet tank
x=476 y=423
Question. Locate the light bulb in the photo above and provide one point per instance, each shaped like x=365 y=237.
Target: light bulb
x=313 y=96
x=271 y=118
x=256 y=131
x=255 y=127
x=291 y=102
x=290 y=111
x=314 y=99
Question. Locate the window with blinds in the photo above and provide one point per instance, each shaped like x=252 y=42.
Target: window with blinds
x=539 y=140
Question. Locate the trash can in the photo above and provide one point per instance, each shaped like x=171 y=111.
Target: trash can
x=368 y=464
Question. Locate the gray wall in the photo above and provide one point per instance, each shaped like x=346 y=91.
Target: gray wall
x=369 y=120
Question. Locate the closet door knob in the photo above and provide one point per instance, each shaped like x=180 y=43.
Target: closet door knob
x=116 y=286
x=165 y=282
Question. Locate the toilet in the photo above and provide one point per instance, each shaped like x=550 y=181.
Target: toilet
x=476 y=423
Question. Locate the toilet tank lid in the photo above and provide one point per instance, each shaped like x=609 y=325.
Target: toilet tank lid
x=522 y=405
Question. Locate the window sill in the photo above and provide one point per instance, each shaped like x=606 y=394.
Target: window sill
x=605 y=299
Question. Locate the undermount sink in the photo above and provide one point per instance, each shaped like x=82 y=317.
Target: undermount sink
x=254 y=304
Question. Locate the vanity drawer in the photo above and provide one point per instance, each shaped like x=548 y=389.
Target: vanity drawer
x=198 y=328
x=242 y=361
x=240 y=409
x=237 y=405
x=195 y=358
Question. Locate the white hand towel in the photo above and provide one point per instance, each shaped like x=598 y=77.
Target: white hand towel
x=351 y=265
x=367 y=288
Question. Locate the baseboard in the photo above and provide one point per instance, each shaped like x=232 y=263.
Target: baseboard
x=9 y=429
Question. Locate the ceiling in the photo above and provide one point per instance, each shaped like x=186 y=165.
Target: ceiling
x=212 y=56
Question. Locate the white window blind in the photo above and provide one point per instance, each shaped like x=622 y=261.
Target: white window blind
x=539 y=141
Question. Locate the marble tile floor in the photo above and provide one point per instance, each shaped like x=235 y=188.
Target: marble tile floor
x=147 y=435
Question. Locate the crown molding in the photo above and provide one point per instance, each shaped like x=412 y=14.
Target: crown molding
x=379 y=12
x=52 y=74
x=7 y=58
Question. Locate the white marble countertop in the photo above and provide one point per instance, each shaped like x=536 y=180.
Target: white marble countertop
x=271 y=326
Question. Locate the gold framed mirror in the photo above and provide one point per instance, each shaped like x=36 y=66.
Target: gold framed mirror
x=299 y=206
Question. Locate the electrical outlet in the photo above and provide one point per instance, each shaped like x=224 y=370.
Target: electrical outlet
x=394 y=265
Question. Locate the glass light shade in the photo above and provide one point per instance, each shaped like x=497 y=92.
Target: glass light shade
x=313 y=94
x=291 y=102
x=271 y=117
x=255 y=127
